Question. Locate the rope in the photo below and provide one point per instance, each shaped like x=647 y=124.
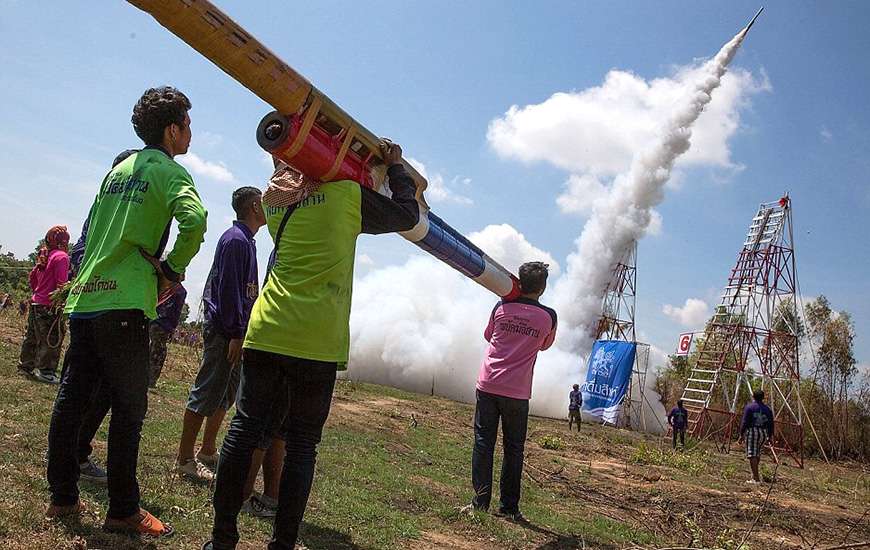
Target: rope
x=56 y=329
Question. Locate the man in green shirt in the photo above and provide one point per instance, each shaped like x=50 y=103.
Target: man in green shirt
x=298 y=337
x=113 y=297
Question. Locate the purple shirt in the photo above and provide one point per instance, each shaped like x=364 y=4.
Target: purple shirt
x=232 y=287
x=169 y=312
x=678 y=417
x=757 y=415
x=516 y=332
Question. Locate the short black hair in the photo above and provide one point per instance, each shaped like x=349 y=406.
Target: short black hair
x=576 y=386
x=157 y=109
x=122 y=156
x=242 y=198
x=533 y=277
x=758 y=395
x=679 y=402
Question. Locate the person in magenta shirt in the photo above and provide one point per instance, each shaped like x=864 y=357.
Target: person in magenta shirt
x=45 y=324
x=517 y=331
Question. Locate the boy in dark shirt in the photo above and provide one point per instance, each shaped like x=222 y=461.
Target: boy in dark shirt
x=678 y=418
x=229 y=294
x=575 y=401
x=756 y=428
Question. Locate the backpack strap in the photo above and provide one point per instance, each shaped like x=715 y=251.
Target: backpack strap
x=274 y=256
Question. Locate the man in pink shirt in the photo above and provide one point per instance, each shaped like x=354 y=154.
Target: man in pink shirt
x=516 y=332
x=45 y=325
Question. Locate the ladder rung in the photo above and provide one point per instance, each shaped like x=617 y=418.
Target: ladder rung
x=703 y=370
x=694 y=400
x=701 y=380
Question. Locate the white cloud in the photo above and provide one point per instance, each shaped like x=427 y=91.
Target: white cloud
x=439 y=191
x=595 y=133
x=826 y=134
x=364 y=260
x=200 y=167
x=694 y=312
x=510 y=248
x=580 y=195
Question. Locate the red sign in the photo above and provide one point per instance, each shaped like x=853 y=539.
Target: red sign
x=685 y=344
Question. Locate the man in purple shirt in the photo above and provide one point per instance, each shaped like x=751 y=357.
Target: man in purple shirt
x=756 y=428
x=228 y=297
x=678 y=418
x=160 y=330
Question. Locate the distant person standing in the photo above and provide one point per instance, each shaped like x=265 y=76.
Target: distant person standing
x=678 y=419
x=575 y=402
x=516 y=332
x=160 y=331
x=229 y=294
x=756 y=428
x=45 y=324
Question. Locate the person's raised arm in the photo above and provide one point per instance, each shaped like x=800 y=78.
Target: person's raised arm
x=381 y=214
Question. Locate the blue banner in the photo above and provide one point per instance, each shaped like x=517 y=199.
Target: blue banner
x=608 y=375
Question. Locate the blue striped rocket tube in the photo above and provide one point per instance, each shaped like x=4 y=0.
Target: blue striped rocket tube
x=437 y=238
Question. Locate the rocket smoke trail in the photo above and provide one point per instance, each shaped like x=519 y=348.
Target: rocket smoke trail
x=622 y=217
x=432 y=341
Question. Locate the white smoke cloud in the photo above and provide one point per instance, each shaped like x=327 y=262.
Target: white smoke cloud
x=510 y=248
x=437 y=190
x=599 y=130
x=627 y=131
x=217 y=171
x=693 y=313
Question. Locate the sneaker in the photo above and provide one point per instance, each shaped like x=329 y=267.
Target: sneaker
x=752 y=482
x=25 y=372
x=210 y=461
x=195 y=470
x=516 y=517
x=89 y=471
x=261 y=506
x=50 y=378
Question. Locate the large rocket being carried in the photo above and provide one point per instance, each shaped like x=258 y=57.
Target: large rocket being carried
x=313 y=134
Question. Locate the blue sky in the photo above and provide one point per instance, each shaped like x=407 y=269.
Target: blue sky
x=434 y=76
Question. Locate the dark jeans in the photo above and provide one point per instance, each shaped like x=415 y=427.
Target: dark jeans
x=96 y=412
x=514 y=414
x=93 y=418
x=43 y=339
x=273 y=385
x=112 y=350
x=682 y=434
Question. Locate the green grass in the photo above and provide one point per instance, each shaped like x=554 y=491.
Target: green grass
x=393 y=470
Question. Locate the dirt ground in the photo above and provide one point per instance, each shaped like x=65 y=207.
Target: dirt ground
x=625 y=486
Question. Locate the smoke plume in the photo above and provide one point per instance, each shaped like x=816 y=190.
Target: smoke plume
x=424 y=340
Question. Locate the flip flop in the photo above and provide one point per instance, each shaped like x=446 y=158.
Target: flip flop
x=140 y=523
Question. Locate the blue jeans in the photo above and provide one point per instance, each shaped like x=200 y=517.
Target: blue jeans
x=275 y=391
x=514 y=414
x=111 y=351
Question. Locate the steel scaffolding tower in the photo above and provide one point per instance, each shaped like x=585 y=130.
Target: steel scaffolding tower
x=752 y=338
x=617 y=323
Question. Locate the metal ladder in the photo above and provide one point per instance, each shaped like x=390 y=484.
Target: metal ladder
x=766 y=228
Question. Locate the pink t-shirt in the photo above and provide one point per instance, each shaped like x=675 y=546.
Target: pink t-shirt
x=45 y=281
x=516 y=332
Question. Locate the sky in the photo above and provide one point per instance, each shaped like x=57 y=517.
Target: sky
x=520 y=114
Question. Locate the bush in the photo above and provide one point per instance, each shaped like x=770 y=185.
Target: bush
x=551 y=442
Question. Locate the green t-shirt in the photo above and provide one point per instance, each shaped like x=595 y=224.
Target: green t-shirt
x=136 y=202
x=304 y=308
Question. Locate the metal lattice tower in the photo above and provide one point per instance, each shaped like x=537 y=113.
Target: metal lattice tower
x=617 y=323
x=752 y=337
